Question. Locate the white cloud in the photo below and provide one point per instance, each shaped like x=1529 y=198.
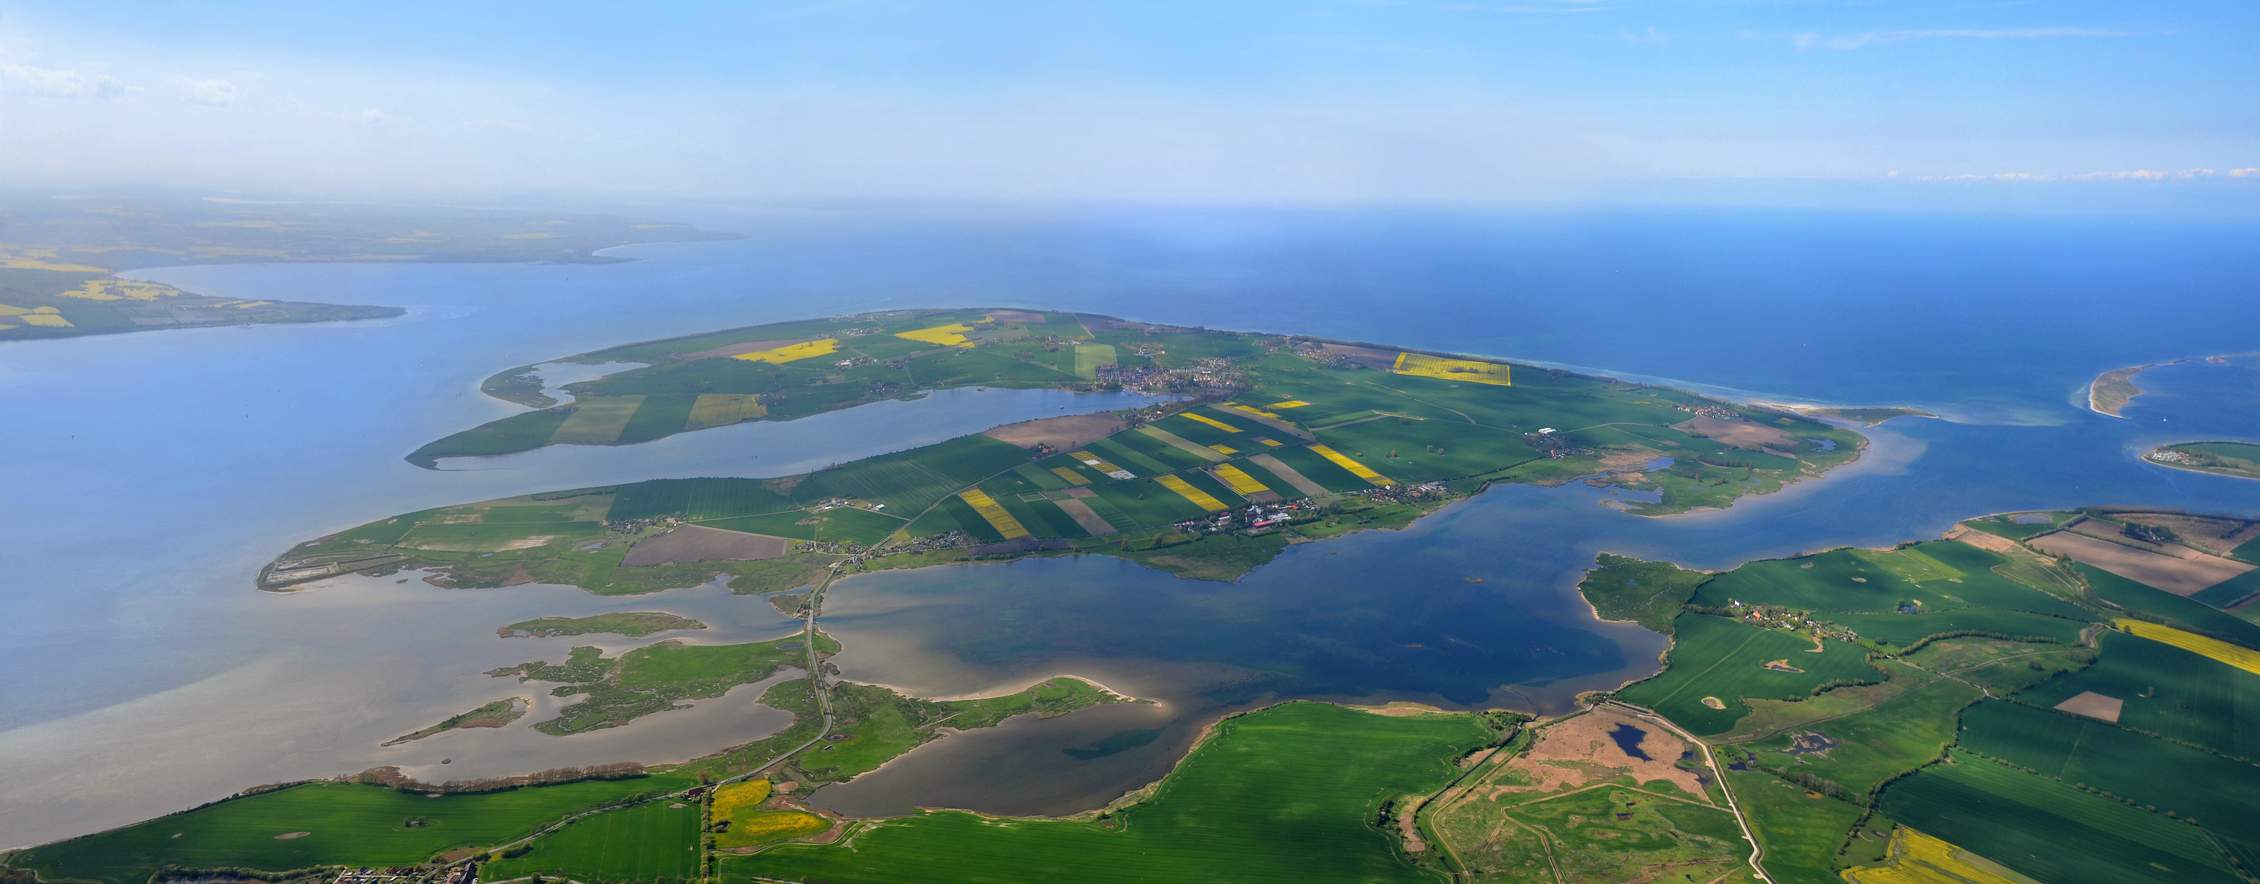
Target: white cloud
x=2195 y=174
x=217 y=93
x=24 y=79
x=1805 y=40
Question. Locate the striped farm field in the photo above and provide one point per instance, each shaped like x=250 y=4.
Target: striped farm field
x=1069 y=474
x=723 y=409
x=1210 y=422
x=1348 y=463
x=792 y=352
x=1239 y=480
x=597 y=421
x=1248 y=410
x=1203 y=452
x=1185 y=489
x=1472 y=371
x=2235 y=655
x=1108 y=467
x=995 y=514
x=950 y=335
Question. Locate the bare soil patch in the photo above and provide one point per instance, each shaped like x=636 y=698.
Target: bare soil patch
x=1992 y=543
x=697 y=543
x=2186 y=574
x=292 y=836
x=1071 y=431
x=1366 y=356
x=1629 y=459
x=1740 y=434
x=1714 y=703
x=2093 y=705
x=1092 y=522
x=1579 y=750
x=1280 y=468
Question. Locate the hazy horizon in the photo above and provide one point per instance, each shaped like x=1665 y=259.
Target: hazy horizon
x=2077 y=107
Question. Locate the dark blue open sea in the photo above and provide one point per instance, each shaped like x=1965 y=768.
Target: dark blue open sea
x=148 y=476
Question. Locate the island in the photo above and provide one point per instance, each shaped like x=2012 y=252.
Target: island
x=2221 y=458
x=59 y=256
x=495 y=714
x=1253 y=442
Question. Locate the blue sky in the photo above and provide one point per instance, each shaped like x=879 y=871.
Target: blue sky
x=2050 y=104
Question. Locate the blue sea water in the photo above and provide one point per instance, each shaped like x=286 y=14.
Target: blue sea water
x=147 y=476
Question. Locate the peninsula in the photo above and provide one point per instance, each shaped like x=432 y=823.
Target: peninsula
x=59 y=256
x=1255 y=442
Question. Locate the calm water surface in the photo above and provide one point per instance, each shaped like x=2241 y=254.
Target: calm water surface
x=148 y=476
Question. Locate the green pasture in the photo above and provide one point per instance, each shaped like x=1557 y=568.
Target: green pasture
x=345 y=824
x=1267 y=798
x=1722 y=658
x=655 y=843
x=2168 y=691
x=2050 y=830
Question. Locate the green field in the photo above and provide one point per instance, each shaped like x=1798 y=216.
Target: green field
x=2170 y=692
x=2050 y=830
x=1266 y=798
x=2214 y=791
x=1875 y=745
x=1647 y=593
x=655 y=842
x=1898 y=598
x=344 y=825
x=1725 y=659
x=1800 y=830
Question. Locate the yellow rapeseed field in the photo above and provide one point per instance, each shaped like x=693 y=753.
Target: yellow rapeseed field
x=996 y=515
x=1290 y=403
x=124 y=290
x=1269 y=443
x=792 y=352
x=1250 y=409
x=1072 y=477
x=38 y=258
x=741 y=795
x=12 y=310
x=1916 y=858
x=1224 y=449
x=1211 y=422
x=1241 y=483
x=44 y=320
x=1356 y=469
x=1185 y=489
x=2235 y=655
x=1469 y=370
x=951 y=335
x=770 y=826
